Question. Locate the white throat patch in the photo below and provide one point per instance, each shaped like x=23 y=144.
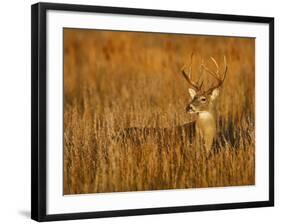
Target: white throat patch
x=205 y=115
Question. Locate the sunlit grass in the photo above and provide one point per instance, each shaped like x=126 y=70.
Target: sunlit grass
x=116 y=80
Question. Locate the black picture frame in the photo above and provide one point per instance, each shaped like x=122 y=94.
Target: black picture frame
x=38 y=108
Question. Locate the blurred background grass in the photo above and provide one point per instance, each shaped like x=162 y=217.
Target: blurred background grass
x=116 y=80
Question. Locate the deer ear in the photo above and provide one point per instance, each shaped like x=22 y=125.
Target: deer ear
x=214 y=94
x=192 y=93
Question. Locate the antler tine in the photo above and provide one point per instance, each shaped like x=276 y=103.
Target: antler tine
x=225 y=69
x=201 y=84
x=225 y=65
x=216 y=74
x=209 y=71
x=188 y=76
x=201 y=72
x=216 y=64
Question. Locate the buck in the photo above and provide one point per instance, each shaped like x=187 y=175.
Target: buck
x=202 y=130
x=202 y=103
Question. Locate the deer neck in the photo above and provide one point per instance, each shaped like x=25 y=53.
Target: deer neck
x=205 y=115
x=206 y=123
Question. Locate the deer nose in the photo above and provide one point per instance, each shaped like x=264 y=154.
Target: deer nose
x=189 y=108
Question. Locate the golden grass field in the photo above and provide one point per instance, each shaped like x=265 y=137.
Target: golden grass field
x=117 y=80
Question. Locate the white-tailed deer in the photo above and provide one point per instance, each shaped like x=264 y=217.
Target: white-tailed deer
x=200 y=131
x=202 y=102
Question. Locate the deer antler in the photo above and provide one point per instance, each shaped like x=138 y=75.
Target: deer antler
x=187 y=76
x=220 y=78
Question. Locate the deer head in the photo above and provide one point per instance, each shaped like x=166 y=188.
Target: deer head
x=201 y=100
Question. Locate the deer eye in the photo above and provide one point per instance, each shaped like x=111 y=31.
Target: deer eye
x=203 y=99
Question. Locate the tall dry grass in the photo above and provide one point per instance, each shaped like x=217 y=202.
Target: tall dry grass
x=116 y=80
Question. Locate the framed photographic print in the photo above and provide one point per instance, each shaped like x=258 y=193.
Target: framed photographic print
x=138 y=111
